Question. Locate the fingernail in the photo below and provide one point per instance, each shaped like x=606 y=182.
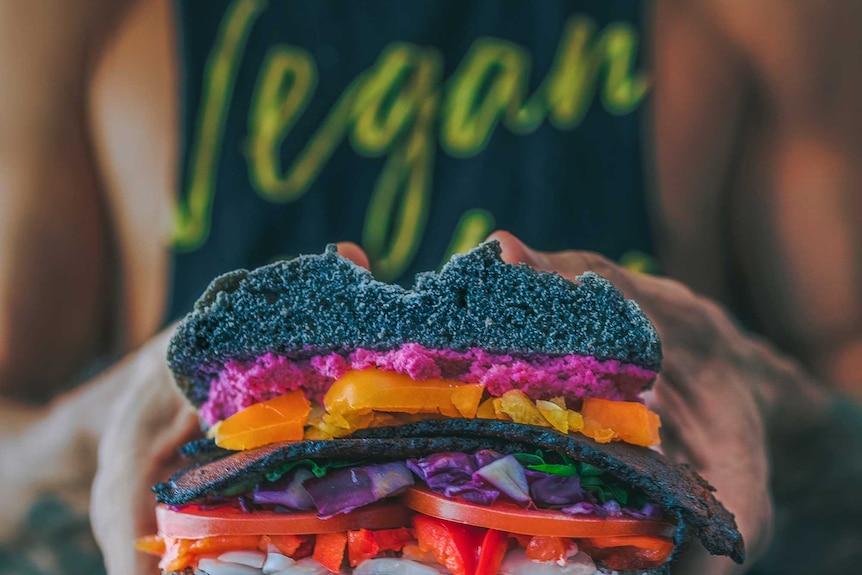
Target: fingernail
x=354 y=253
x=514 y=251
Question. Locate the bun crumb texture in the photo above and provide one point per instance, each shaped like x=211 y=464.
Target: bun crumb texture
x=324 y=303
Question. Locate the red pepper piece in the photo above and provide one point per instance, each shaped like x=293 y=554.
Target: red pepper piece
x=542 y=548
x=306 y=548
x=454 y=545
x=329 y=550
x=361 y=545
x=392 y=539
x=491 y=553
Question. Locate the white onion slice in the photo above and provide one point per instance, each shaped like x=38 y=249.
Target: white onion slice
x=306 y=566
x=244 y=557
x=507 y=475
x=212 y=566
x=517 y=563
x=392 y=566
x=276 y=562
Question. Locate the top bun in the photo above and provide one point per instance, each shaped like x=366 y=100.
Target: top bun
x=317 y=304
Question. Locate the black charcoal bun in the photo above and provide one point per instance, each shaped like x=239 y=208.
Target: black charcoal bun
x=317 y=304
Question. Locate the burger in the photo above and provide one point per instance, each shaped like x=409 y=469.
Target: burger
x=487 y=420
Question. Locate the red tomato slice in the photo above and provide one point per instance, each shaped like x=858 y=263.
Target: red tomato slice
x=193 y=522
x=514 y=519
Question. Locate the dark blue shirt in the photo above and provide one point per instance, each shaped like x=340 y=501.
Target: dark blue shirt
x=412 y=128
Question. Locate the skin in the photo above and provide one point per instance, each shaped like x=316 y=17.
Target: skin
x=758 y=195
x=757 y=132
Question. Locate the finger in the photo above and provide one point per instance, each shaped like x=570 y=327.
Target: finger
x=657 y=296
x=145 y=426
x=514 y=251
x=568 y=264
x=354 y=253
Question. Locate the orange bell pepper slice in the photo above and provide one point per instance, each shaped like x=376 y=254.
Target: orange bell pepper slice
x=632 y=422
x=329 y=550
x=151 y=545
x=182 y=553
x=364 y=391
x=279 y=419
x=629 y=552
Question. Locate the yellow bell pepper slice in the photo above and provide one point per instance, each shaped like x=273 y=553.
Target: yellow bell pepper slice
x=557 y=416
x=521 y=408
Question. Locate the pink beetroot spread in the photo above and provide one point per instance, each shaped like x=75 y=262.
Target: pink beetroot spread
x=574 y=377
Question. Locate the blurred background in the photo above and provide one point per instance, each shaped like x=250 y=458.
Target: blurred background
x=148 y=145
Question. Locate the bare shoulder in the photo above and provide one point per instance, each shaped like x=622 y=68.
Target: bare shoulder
x=699 y=96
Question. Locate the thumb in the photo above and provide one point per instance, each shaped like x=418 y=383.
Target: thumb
x=568 y=264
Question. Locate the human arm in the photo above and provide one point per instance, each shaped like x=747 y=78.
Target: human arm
x=799 y=242
x=144 y=429
x=54 y=261
x=759 y=159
